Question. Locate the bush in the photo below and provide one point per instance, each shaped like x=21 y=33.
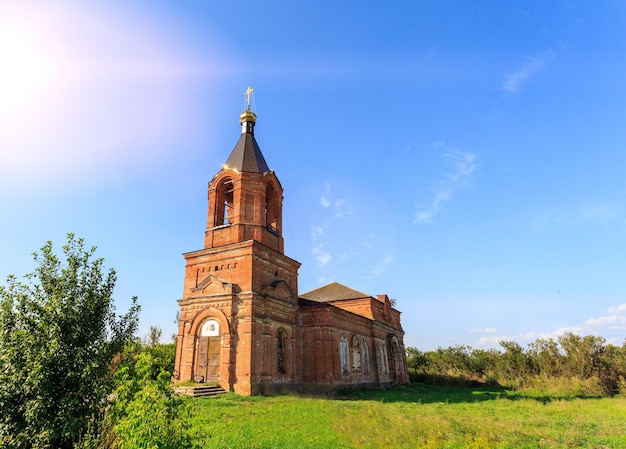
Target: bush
x=144 y=413
x=569 y=366
x=58 y=335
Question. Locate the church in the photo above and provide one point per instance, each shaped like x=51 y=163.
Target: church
x=244 y=325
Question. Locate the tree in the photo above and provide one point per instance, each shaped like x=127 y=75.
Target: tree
x=145 y=413
x=154 y=336
x=582 y=354
x=547 y=357
x=514 y=363
x=58 y=335
x=415 y=360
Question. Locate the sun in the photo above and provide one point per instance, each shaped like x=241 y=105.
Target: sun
x=26 y=70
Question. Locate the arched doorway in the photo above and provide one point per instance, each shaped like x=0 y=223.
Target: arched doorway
x=208 y=348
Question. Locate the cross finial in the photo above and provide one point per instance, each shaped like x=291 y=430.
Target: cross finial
x=248 y=94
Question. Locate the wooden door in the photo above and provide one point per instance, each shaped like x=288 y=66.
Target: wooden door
x=202 y=359
x=208 y=359
x=213 y=359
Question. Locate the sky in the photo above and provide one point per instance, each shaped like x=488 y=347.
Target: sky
x=468 y=159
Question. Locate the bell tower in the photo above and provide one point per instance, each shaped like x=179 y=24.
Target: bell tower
x=245 y=196
x=238 y=313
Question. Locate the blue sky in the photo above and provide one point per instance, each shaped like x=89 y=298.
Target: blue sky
x=466 y=158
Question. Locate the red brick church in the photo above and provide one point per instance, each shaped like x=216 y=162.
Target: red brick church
x=243 y=323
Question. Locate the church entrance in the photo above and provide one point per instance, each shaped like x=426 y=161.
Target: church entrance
x=208 y=349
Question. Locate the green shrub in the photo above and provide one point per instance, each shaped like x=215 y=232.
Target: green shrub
x=58 y=334
x=571 y=365
x=145 y=413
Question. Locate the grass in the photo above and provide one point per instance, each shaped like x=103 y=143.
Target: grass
x=410 y=416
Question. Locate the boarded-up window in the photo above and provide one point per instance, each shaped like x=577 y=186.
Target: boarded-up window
x=280 y=351
x=344 y=353
x=356 y=354
x=365 y=356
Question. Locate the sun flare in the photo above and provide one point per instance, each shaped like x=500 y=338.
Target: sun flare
x=26 y=71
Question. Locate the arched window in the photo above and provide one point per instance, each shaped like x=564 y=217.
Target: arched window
x=383 y=350
x=356 y=354
x=280 y=351
x=344 y=354
x=365 y=357
x=271 y=207
x=224 y=202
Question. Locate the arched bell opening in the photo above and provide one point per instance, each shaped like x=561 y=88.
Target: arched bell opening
x=272 y=208
x=224 y=202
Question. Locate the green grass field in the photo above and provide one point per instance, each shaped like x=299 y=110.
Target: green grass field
x=411 y=416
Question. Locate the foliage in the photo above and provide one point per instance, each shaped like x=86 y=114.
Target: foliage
x=153 y=337
x=58 y=335
x=144 y=413
x=583 y=366
x=410 y=416
x=163 y=353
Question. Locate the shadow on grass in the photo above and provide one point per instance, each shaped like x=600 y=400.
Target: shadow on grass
x=453 y=393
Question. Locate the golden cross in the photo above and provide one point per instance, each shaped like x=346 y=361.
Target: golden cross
x=248 y=94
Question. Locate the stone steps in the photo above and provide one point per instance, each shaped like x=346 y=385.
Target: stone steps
x=199 y=391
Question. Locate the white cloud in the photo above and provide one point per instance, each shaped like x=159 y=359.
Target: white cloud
x=532 y=335
x=611 y=327
x=382 y=264
x=575 y=215
x=341 y=207
x=597 y=213
x=339 y=252
x=317 y=233
x=493 y=340
x=619 y=309
x=606 y=320
x=528 y=336
x=464 y=164
x=514 y=81
x=321 y=256
x=324 y=201
x=615 y=321
x=562 y=331
x=487 y=330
